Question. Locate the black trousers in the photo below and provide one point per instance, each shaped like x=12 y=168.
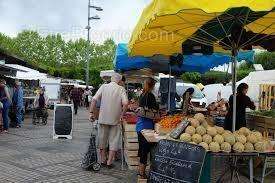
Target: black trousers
x=76 y=103
x=144 y=148
x=87 y=104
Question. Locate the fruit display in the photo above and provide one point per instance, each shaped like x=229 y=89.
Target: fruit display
x=171 y=121
x=216 y=139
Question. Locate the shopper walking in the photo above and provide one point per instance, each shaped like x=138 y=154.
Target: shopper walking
x=76 y=96
x=6 y=101
x=113 y=105
x=40 y=103
x=87 y=95
x=18 y=103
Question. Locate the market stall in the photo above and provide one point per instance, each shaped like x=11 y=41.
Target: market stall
x=198 y=130
x=30 y=82
x=203 y=28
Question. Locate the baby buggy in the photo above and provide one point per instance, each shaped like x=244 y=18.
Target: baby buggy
x=40 y=114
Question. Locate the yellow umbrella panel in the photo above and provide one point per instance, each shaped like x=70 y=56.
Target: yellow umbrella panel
x=166 y=24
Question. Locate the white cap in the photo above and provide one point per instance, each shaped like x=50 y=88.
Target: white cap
x=116 y=77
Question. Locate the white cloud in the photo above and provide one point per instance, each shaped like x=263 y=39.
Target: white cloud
x=69 y=17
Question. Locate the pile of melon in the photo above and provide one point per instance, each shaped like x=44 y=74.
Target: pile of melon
x=216 y=139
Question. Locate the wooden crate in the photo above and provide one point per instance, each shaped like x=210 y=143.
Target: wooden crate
x=141 y=180
x=261 y=123
x=131 y=146
x=267 y=96
x=135 y=168
x=131 y=153
x=130 y=135
x=129 y=127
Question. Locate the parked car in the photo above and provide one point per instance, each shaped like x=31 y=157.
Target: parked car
x=198 y=99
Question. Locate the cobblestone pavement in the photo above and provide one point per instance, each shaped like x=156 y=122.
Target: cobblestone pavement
x=29 y=154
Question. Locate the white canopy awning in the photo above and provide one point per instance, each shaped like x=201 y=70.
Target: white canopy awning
x=26 y=73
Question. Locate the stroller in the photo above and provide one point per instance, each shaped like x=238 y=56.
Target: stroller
x=40 y=113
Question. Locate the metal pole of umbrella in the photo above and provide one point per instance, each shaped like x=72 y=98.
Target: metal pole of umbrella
x=169 y=90
x=234 y=80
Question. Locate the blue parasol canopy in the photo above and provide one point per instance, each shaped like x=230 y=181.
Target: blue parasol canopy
x=159 y=63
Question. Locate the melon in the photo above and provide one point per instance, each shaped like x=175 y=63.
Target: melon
x=248 y=147
x=185 y=137
x=200 y=130
x=212 y=131
x=238 y=147
x=214 y=147
x=218 y=138
x=190 y=130
x=194 y=122
x=197 y=138
x=204 y=145
x=207 y=138
x=226 y=147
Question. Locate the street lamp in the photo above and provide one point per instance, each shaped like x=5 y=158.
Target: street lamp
x=88 y=27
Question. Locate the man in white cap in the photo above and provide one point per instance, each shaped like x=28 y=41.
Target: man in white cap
x=113 y=105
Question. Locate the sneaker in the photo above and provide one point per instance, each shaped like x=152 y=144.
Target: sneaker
x=5 y=131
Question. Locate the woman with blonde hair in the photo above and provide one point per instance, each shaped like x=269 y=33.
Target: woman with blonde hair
x=148 y=100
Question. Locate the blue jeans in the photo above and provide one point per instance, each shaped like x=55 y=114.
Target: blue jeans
x=5 y=114
x=19 y=115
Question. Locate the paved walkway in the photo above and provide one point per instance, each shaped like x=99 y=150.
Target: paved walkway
x=31 y=155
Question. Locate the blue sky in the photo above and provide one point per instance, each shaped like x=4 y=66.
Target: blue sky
x=69 y=17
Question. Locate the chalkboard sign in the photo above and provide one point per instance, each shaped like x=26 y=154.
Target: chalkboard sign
x=63 y=121
x=175 y=134
x=177 y=162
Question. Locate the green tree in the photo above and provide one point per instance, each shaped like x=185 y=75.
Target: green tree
x=61 y=58
x=193 y=77
x=267 y=59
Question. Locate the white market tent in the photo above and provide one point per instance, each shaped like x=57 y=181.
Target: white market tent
x=254 y=79
x=26 y=73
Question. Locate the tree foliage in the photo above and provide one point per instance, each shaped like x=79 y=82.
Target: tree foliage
x=193 y=77
x=267 y=59
x=62 y=58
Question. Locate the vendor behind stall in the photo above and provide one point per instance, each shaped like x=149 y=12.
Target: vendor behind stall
x=243 y=102
x=147 y=100
x=187 y=96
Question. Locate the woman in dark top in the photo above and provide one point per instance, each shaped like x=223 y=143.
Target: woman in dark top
x=243 y=102
x=148 y=100
x=186 y=97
